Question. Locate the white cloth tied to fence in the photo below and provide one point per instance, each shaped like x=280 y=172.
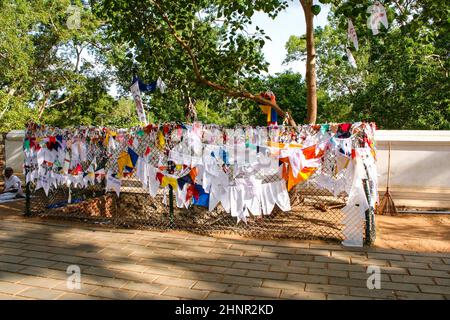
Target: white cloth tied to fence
x=243 y=170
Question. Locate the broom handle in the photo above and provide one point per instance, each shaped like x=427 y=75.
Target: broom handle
x=389 y=167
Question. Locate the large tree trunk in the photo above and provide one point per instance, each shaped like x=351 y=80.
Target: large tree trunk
x=311 y=96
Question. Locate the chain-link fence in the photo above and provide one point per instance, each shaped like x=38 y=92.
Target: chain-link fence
x=315 y=212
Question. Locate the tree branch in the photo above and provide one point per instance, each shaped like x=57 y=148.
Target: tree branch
x=42 y=109
x=227 y=90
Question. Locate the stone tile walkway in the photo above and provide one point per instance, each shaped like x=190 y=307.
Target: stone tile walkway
x=137 y=264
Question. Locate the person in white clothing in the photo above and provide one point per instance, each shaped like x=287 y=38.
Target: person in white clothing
x=13 y=186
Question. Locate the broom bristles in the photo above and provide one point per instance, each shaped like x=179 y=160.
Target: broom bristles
x=387 y=205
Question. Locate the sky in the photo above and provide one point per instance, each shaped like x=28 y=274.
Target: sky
x=289 y=22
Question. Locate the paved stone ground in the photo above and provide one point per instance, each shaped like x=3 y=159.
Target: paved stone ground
x=137 y=264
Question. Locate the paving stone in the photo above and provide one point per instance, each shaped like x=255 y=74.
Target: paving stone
x=11 y=276
x=348 y=282
x=385 y=256
x=11 y=251
x=267 y=275
x=328 y=272
x=12 y=267
x=289 y=269
x=270 y=262
x=342 y=297
x=434 y=289
x=301 y=295
x=229 y=271
x=41 y=293
x=149 y=296
x=136 y=276
x=369 y=262
x=84 y=288
x=264 y=242
x=145 y=287
x=214 y=286
x=442 y=281
x=65 y=258
x=11 y=288
x=374 y=293
x=306 y=278
x=100 y=271
x=364 y=276
x=37 y=254
x=423 y=259
x=176 y=282
x=186 y=293
x=258 y=291
x=246 y=247
x=41 y=282
x=226 y=296
x=327 y=246
x=280 y=249
x=188 y=266
x=103 y=281
x=344 y=255
x=296 y=257
x=241 y=280
x=11 y=259
x=8 y=244
x=347 y=267
x=429 y=273
x=326 y=288
x=412 y=279
x=278 y=284
x=38 y=262
x=314 y=252
x=218 y=263
x=308 y=264
x=160 y=271
x=202 y=276
x=400 y=286
x=262 y=254
x=127 y=267
x=332 y=259
x=10 y=297
x=227 y=251
x=439 y=266
x=407 y=264
x=112 y=293
x=251 y=266
x=405 y=295
x=77 y=296
x=394 y=270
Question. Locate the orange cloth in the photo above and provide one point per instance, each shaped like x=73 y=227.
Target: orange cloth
x=305 y=173
x=193 y=173
x=267 y=110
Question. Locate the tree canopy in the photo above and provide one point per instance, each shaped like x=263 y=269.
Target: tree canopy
x=401 y=80
x=203 y=50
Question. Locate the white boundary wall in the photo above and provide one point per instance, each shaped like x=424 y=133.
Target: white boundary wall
x=420 y=165
x=13 y=150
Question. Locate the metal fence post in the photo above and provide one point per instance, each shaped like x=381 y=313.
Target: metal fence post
x=370 y=222
x=27 y=200
x=171 y=216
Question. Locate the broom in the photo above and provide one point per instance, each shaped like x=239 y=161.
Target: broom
x=387 y=206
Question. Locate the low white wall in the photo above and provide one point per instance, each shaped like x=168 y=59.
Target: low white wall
x=14 y=150
x=420 y=165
